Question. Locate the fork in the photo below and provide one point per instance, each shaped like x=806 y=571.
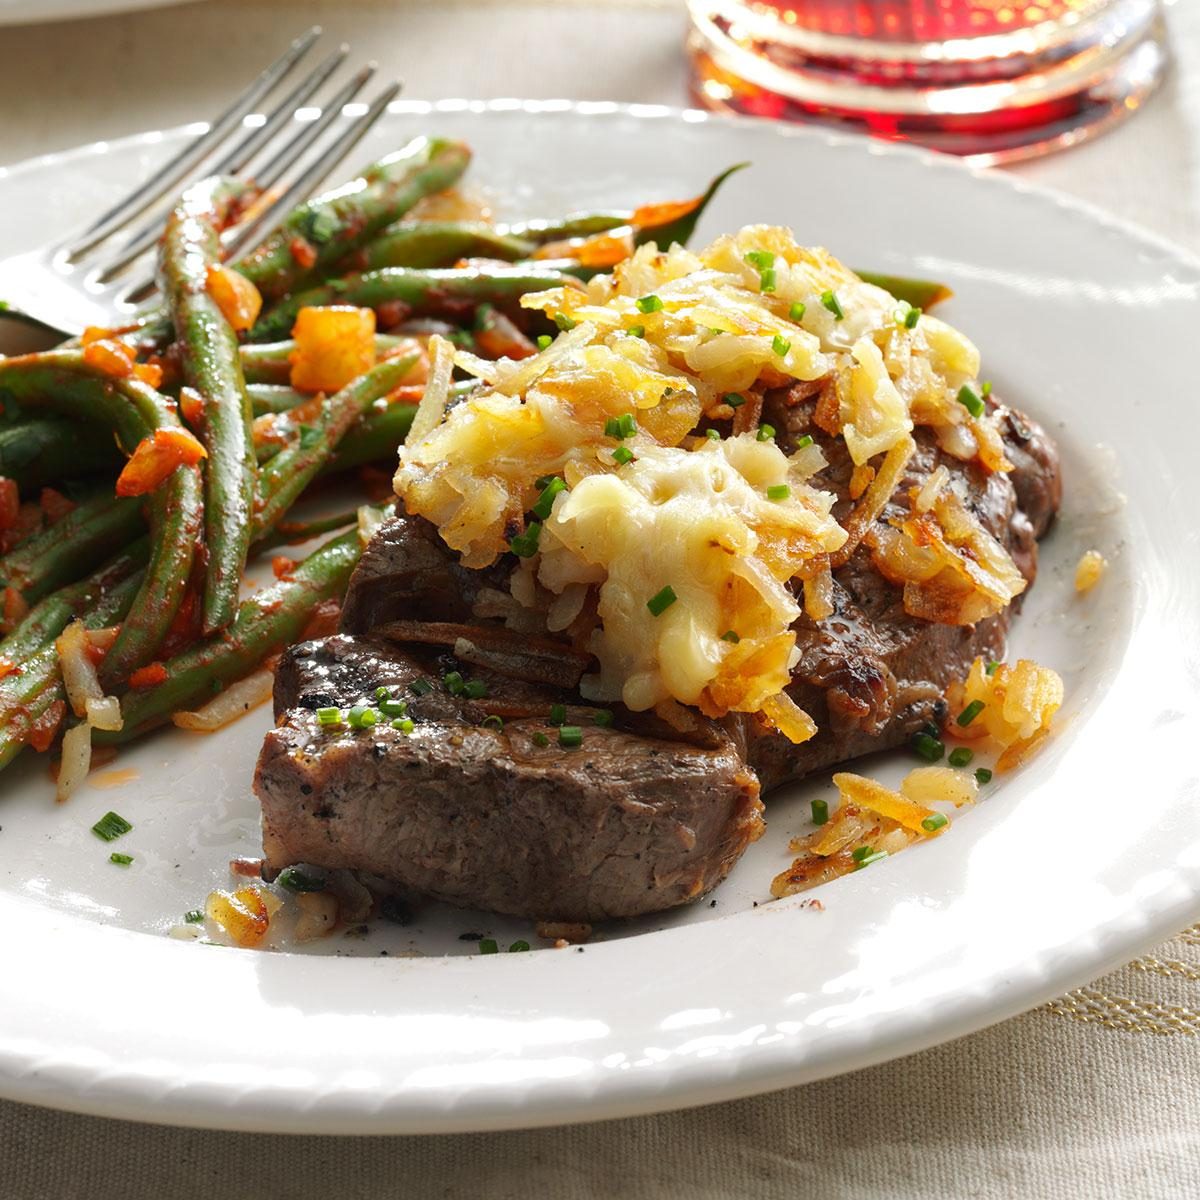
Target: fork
x=100 y=275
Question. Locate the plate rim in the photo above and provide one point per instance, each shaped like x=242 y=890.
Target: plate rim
x=126 y=1096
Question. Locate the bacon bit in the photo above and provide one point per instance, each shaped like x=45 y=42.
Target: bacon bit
x=111 y=358
x=15 y=607
x=155 y=458
x=55 y=505
x=282 y=566
x=860 y=480
x=151 y=675
x=44 y=730
x=10 y=503
x=191 y=407
x=238 y=299
x=304 y=253
x=151 y=374
x=323 y=620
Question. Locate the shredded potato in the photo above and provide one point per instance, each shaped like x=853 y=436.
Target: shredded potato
x=723 y=529
x=1089 y=569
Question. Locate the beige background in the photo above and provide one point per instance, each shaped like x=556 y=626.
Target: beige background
x=1095 y=1095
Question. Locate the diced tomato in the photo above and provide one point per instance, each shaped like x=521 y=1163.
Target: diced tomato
x=151 y=675
x=500 y=338
x=185 y=628
x=282 y=566
x=151 y=374
x=6 y=667
x=112 y=358
x=391 y=313
x=155 y=458
x=191 y=407
x=10 y=503
x=55 y=505
x=599 y=250
x=29 y=520
x=14 y=607
x=95 y=333
x=334 y=344
x=303 y=253
x=43 y=731
x=237 y=298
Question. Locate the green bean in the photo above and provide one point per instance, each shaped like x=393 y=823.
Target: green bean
x=437 y=244
x=85 y=537
x=293 y=469
x=47 y=619
x=266 y=622
x=292 y=533
x=452 y=292
x=60 y=381
x=273 y=398
x=270 y=362
x=333 y=225
x=191 y=247
x=48 y=450
x=920 y=293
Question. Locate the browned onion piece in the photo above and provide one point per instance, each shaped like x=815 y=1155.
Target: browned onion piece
x=874 y=500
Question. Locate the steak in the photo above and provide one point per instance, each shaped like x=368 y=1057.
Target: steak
x=643 y=816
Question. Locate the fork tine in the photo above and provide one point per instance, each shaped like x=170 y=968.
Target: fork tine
x=195 y=151
x=263 y=222
x=272 y=170
x=303 y=186
x=232 y=163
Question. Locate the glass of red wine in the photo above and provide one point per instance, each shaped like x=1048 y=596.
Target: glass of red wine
x=992 y=80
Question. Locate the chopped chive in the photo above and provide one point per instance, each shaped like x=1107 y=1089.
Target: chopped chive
x=518 y=946
x=797 y=310
x=780 y=345
x=760 y=260
x=545 y=502
x=544 y=340
x=475 y=689
x=454 y=682
x=193 y=916
x=122 y=860
x=493 y=722
x=661 y=601
x=565 y=323
x=960 y=757
x=912 y=317
x=735 y=400
x=766 y=280
x=730 y=636
x=558 y=714
x=543 y=481
x=570 y=736
x=868 y=859
x=969 y=713
x=382 y=693
x=404 y=724
x=488 y=946
x=622 y=455
x=111 y=826
x=983 y=775
x=861 y=853
x=765 y=432
x=928 y=747
x=525 y=545
x=830 y=301
x=820 y=812
x=612 y=428
x=991 y=668
x=986 y=390
x=297 y=879
x=603 y=717
x=638 y=331
x=420 y=687
x=361 y=717
x=329 y=716
x=806 y=440
x=778 y=491
x=540 y=739
x=627 y=425
x=971 y=402
x=934 y=823
x=649 y=304
x=713 y=435
x=393 y=708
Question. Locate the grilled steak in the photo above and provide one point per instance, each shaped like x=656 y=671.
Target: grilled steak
x=642 y=817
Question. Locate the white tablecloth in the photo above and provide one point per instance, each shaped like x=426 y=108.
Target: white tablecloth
x=1097 y=1094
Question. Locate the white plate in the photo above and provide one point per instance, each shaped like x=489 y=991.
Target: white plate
x=1077 y=862
x=35 y=12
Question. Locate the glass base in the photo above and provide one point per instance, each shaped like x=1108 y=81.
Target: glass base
x=978 y=98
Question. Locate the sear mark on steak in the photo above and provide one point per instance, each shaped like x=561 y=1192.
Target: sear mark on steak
x=642 y=817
